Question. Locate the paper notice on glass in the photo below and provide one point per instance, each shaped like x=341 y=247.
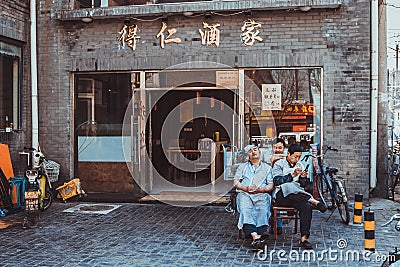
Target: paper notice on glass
x=271 y=97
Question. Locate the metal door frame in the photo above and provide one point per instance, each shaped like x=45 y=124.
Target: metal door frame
x=145 y=98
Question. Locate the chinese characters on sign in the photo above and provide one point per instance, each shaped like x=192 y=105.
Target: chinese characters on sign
x=210 y=35
x=250 y=32
x=300 y=109
x=129 y=35
x=271 y=96
x=165 y=40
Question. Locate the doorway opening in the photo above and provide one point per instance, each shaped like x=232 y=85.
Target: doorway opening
x=179 y=119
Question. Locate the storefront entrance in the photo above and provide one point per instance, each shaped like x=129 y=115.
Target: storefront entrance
x=183 y=118
x=141 y=129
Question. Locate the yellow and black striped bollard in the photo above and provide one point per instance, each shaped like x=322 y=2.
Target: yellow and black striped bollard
x=369 y=231
x=358 y=205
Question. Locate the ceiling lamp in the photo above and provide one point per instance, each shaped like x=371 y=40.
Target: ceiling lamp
x=305 y=8
x=188 y=13
x=87 y=19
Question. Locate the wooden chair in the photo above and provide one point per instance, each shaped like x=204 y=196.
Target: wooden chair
x=284 y=213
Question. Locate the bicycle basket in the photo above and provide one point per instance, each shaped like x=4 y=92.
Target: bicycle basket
x=53 y=170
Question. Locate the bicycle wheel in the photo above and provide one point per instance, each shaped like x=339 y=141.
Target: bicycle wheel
x=393 y=180
x=323 y=191
x=48 y=199
x=342 y=205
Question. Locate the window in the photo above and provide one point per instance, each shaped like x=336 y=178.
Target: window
x=90 y=3
x=101 y=103
x=9 y=86
x=284 y=103
x=102 y=100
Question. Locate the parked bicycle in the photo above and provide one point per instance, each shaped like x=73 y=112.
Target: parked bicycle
x=395 y=217
x=331 y=188
x=38 y=195
x=233 y=157
x=394 y=173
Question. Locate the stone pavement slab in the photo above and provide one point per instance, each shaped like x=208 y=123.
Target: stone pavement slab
x=163 y=235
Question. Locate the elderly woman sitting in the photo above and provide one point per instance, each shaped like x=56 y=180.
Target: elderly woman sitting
x=253 y=200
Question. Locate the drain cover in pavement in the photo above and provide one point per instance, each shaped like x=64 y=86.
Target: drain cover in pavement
x=93 y=208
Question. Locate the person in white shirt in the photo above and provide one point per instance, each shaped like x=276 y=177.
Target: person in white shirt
x=278 y=149
x=286 y=176
x=253 y=200
x=278 y=152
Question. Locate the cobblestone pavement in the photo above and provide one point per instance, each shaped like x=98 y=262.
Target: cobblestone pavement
x=162 y=235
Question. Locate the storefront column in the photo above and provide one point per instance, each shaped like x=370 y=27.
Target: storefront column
x=241 y=128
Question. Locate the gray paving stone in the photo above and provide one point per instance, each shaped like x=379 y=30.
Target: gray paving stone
x=161 y=235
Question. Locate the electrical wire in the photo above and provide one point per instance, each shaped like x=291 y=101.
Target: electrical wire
x=163 y=16
x=227 y=15
x=160 y=17
x=192 y=16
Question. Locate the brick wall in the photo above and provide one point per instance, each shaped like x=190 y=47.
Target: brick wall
x=336 y=39
x=14 y=29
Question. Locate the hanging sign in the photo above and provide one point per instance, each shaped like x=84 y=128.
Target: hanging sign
x=300 y=109
x=227 y=78
x=271 y=97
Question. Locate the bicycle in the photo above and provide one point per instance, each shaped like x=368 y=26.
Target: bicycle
x=330 y=187
x=394 y=174
x=394 y=218
x=233 y=157
x=38 y=195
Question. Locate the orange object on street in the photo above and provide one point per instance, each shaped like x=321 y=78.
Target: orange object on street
x=5 y=161
x=70 y=189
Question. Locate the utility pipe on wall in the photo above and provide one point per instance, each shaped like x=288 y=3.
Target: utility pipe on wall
x=374 y=93
x=35 y=117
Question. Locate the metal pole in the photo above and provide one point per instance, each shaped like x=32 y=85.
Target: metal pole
x=34 y=75
x=374 y=94
x=397 y=61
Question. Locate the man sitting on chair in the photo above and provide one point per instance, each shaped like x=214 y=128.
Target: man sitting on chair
x=253 y=200
x=287 y=175
x=278 y=152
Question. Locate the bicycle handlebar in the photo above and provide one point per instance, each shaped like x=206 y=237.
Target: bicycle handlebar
x=322 y=155
x=31 y=150
x=393 y=218
x=331 y=148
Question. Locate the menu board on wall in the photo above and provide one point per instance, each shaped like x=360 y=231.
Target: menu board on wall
x=271 y=97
